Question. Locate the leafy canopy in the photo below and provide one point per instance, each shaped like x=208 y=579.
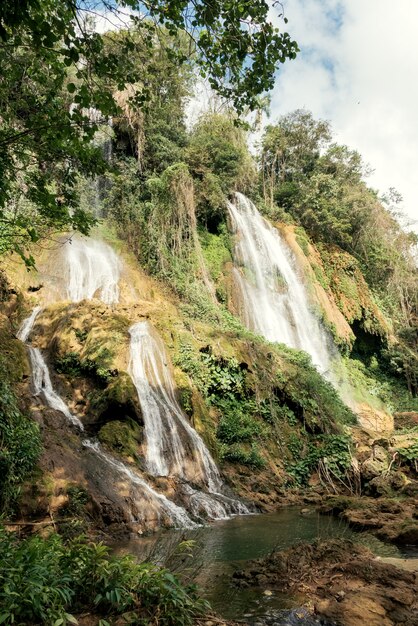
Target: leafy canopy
x=59 y=77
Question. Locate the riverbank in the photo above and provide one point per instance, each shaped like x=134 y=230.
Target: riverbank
x=340 y=581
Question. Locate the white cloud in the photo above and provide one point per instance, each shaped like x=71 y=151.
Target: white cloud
x=358 y=68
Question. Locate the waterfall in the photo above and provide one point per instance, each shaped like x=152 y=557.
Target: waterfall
x=92 y=270
x=176 y=514
x=27 y=325
x=41 y=379
x=272 y=299
x=173 y=446
x=43 y=387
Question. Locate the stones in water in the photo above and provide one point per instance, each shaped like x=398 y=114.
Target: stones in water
x=271 y=297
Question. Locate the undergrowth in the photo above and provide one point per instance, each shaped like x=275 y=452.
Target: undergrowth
x=48 y=581
x=20 y=446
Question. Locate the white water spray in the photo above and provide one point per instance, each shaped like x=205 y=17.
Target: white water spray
x=176 y=514
x=92 y=271
x=40 y=374
x=173 y=446
x=272 y=299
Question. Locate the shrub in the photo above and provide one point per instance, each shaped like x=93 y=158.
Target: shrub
x=238 y=454
x=20 y=447
x=47 y=581
x=333 y=450
x=238 y=422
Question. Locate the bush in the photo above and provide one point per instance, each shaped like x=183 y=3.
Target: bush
x=238 y=423
x=20 y=447
x=237 y=454
x=333 y=450
x=46 y=581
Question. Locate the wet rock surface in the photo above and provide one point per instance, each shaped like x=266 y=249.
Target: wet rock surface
x=392 y=520
x=342 y=582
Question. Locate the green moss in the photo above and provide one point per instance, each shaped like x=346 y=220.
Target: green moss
x=375 y=387
x=121 y=390
x=320 y=276
x=14 y=354
x=73 y=365
x=123 y=437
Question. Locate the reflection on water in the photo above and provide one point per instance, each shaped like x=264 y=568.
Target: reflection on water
x=220 y=548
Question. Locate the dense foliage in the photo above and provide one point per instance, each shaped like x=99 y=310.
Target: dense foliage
x=45 y=581
x=61 y=78
x=255 y=407
x=20 y=446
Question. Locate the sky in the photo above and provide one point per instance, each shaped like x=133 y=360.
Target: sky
x=358 y=69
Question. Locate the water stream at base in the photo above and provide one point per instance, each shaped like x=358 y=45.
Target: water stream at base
x=272 y=298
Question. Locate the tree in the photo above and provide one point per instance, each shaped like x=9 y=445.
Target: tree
x=59 y=78
x=220 y=162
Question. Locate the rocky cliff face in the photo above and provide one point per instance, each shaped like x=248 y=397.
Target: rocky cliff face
x=267 y=417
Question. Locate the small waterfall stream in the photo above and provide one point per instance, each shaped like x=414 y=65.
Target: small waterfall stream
x=41 y=379
x=272 y=299
x=173 y=446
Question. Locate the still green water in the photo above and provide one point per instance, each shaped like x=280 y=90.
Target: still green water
x=224 y=546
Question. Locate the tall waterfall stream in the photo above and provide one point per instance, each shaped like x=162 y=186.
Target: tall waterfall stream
x=272 y=298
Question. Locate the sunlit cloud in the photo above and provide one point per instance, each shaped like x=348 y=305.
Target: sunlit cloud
x=357 y=68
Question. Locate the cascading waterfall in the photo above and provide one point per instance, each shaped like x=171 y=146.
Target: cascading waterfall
x=272 y=299
x=92 y=270
x=43 y=387
x=173 y=446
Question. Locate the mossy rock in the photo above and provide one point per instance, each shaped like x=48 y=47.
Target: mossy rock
x=118 y=401
x=123 y=437
x=14 y=354
x=122 y=390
